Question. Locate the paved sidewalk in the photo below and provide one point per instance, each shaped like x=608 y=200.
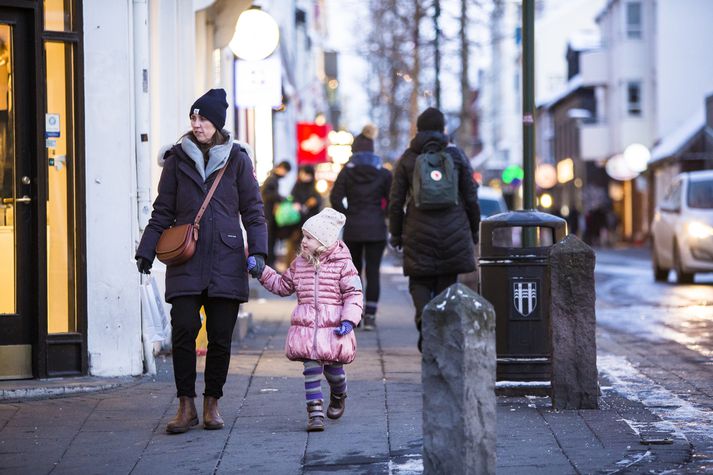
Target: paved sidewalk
x=121 y=431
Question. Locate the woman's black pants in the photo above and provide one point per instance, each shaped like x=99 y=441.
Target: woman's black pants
x=221 y=314
x=368 y=255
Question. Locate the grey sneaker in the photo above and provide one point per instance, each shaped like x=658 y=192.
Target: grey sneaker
x=369 y=322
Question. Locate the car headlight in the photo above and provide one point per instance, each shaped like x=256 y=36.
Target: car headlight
x=699 y=230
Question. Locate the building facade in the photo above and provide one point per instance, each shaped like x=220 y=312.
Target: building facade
x=91 y=90
x=645 y=87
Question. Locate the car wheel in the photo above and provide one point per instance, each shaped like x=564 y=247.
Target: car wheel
x=681 y=276
x=660 y=274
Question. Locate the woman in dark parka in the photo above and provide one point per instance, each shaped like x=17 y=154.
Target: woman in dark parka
x=365 y=185
x=215 y=277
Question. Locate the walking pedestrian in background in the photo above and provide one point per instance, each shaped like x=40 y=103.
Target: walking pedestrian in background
x=309 y=201
x=215 y=277
x=361 y=192
x=271 y=197
x=437 y=242
x=329 y=306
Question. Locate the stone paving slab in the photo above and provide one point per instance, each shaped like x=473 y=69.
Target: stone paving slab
x=121 y=430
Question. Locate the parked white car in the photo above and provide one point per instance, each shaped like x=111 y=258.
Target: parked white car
x=682 y=229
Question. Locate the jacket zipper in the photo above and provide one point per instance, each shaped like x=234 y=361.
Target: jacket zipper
x=316 y=314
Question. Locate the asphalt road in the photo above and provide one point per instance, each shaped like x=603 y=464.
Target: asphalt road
x=655 y=344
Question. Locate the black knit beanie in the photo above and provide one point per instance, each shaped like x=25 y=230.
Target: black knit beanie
x=362 y=143
x=431 y=119
x=211 y=105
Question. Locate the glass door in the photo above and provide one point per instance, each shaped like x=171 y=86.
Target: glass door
x=17 y=195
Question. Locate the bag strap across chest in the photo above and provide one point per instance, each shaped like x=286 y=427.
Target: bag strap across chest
x=206 y=201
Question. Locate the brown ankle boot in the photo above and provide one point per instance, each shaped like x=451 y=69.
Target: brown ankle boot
x=315 y=412
x=337 y=404
x=186 y=417
x=211 y=416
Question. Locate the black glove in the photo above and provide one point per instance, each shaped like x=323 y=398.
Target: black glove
x=143 y=265
x=256 y=270
x=395 y=243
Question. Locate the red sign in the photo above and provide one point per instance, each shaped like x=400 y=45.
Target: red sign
x=312 y=143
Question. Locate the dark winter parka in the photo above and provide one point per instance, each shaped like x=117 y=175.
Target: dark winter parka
x=219 y=263
x=365 y=185
x=435 y=242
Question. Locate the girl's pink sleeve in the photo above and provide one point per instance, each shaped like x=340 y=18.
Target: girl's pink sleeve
x=350 y=286
x=282 y=285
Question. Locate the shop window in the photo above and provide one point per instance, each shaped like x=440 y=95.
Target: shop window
x=58 y=15
x=60 y=147
x=7 y=176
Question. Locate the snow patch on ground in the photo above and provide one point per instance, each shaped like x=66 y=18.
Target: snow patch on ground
x=680 y=416
x=410 y=467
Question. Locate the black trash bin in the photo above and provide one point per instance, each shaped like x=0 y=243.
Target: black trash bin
x=514 y=278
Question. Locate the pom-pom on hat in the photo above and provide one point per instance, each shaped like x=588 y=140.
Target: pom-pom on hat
x=213 y=106
x=325 y=226
x=364 y=142
x=431 y=119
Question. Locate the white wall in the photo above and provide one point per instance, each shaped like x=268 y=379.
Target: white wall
x=113 y=304
x=628 y=60
x=683 y=57
x=172 y=74
x=552 y=32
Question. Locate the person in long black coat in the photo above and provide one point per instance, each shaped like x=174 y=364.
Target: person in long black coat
x=437 y=244
x=364 y=185
x=271 y=197
x=308 y=200
x=215 y=277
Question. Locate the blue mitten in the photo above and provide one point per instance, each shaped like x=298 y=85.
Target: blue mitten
x=256 y=264
x=344 y=328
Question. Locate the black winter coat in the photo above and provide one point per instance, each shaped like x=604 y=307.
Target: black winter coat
x=366 y=188
x=270 y=193
x=435 y=242
x=219 y=264
x=301 y=193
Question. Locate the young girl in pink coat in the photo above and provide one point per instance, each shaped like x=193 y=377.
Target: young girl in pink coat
x=329 y=306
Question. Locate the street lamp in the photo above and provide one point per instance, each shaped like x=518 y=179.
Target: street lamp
x=636 y=157
x=256 y=35
x=258 y=81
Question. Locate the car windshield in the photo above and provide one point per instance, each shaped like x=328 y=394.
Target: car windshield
x=489 y=207
x=700 y=194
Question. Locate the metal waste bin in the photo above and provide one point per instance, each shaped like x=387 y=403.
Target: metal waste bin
x=514 y=277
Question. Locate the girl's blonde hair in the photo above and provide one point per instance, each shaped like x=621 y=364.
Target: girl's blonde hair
x=312 y=258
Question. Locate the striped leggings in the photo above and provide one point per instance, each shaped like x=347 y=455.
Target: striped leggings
x=334 y=374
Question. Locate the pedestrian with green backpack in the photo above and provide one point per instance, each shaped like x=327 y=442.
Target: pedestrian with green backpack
x=433 y=212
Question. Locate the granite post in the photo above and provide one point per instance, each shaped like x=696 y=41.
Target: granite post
x=458 y=378
x=573 y=320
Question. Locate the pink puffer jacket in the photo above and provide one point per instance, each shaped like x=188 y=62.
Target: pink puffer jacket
x=325 y=297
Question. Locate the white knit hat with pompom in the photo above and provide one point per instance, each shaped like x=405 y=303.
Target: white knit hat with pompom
x=325 y=226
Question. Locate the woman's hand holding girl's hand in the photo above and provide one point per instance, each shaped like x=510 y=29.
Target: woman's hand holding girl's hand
x=344 y=328
x=256 y=264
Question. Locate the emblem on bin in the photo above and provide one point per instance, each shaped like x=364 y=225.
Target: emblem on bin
x=524 y=296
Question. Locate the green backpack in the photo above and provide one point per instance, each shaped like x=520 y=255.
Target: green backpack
x=435 y=179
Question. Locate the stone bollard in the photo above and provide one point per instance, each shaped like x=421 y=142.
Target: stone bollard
x=573 y=320
x=458 y=379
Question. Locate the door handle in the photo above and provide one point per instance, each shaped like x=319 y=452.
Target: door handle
x=9 y=201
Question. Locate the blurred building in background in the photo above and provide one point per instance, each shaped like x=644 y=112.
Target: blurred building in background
x=645 y=90
x=624 y=119
x=500 y=98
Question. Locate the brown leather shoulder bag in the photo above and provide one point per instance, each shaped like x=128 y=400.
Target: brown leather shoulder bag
x=177 y=244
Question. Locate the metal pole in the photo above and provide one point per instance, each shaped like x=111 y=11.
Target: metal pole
x=528 y=102
x=437 y=51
